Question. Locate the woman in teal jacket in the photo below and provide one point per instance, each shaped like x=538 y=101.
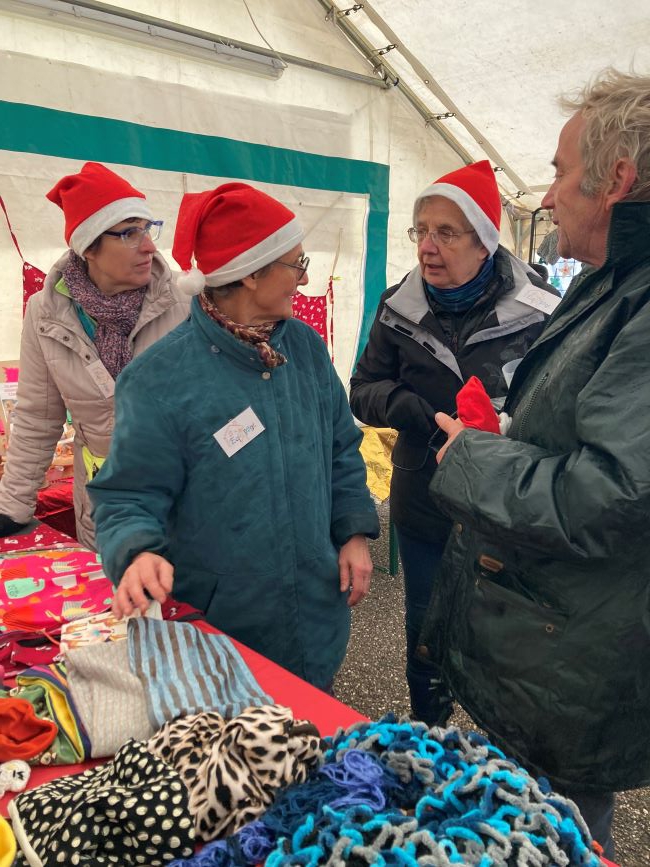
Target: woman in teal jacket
x=235 y=479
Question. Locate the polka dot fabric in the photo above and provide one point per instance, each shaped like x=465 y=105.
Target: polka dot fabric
x=132 y=811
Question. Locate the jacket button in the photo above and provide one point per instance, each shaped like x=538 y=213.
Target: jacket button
x=458 y=527
x=423 y=650
x=215 y=349
x=66 y=338
x=549 y=628
x=87 y=357
x=266 y=375
x=42 y=329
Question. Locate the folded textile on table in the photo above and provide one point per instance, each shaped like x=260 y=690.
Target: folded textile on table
x=234 y=769
x=132 y=811
x=7 y=844
x=46 y=687
x=23 y=734
x=185 y=671
x=110 y=699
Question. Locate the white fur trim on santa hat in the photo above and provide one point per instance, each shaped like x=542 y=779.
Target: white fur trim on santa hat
x=251 y=260
x=104 y=218
x=191 y=282
x=480 y=222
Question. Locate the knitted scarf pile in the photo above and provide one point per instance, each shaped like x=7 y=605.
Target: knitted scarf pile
x=257 y=336
x=116 y=315
x=394 y=793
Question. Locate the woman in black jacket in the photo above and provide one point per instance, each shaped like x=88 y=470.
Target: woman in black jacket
x=468 y=308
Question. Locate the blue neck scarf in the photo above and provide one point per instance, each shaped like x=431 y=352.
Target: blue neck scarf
x=463 y=297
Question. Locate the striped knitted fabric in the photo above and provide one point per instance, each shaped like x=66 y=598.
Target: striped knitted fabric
x=111 y=701
x=185 y=671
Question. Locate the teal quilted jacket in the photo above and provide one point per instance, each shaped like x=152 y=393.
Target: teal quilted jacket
x=253 y=537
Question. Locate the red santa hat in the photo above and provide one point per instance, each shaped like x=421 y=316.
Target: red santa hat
x=474 y=189
x=94 y=200
x=230 y=232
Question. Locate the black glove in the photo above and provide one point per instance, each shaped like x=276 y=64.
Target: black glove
x=8 y=526
x=406 y=410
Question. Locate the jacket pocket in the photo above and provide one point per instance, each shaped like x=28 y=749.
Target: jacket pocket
x=506 y=649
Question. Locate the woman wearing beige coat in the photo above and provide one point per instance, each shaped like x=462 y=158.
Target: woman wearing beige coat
x=105 y=300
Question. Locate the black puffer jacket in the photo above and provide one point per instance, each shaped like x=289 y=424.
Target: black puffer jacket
x=541 y=611
x=418 y=357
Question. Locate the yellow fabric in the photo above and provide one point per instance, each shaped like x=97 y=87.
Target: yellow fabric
x=7 y=844
x=92 y=463
x=376 y=448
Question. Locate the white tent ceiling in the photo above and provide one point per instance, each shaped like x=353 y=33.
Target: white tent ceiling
x=501 y=65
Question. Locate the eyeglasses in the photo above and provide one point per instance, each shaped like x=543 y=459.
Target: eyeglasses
x=443 y=237
x=301 y=268
x=134 y=235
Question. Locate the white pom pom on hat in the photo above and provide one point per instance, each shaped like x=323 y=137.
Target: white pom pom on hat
x=230 y=232
x=191 y=282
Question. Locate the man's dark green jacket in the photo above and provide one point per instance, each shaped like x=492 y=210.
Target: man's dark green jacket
x=541 y=616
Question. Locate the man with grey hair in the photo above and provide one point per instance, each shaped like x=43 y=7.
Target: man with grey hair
x=541 y=613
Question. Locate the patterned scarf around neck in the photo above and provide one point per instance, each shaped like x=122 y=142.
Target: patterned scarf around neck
x=256 y=335
x=115 y=315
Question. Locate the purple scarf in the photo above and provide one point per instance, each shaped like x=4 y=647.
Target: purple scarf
x=115 y=315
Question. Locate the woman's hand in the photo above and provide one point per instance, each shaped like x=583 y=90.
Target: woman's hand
x=355 y=568
x=452 y=427
x=149 y=572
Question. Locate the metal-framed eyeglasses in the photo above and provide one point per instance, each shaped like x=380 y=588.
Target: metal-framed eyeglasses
x=301 y=267
x=441 y=237
x=133 y=236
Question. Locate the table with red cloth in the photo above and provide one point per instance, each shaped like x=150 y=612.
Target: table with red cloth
x=285 y=688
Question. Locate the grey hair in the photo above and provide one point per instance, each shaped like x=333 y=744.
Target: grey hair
x=423 y=201
x=616 y=110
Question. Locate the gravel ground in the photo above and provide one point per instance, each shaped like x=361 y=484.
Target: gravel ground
x=372 y=681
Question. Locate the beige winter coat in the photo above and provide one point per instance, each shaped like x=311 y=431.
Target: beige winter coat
x=55 y=355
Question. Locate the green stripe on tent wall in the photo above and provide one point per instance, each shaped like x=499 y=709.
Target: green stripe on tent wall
x=33 y=129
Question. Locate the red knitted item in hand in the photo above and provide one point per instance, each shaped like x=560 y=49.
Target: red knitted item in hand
x=474 y=407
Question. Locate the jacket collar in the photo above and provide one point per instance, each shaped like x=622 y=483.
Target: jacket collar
x=627 y=241
x=510 y=276
x=223 y=341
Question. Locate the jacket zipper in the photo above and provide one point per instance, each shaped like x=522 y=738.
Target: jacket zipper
x=533 y=398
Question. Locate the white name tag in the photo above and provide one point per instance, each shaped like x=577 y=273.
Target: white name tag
x=102 y=378
x=538 y=298
x=239 y=432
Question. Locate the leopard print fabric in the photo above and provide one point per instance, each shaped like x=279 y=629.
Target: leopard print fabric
x=233 y=769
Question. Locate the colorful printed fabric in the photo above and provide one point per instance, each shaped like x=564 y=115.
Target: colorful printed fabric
x=43 y=589
x=110 y=699
x=37 y=539
x=132 y=811
x=185 y=671
x=233 y=770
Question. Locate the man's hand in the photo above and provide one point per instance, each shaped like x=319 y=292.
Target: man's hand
x=149 y=572
x=452 y=427
x=355 y=569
